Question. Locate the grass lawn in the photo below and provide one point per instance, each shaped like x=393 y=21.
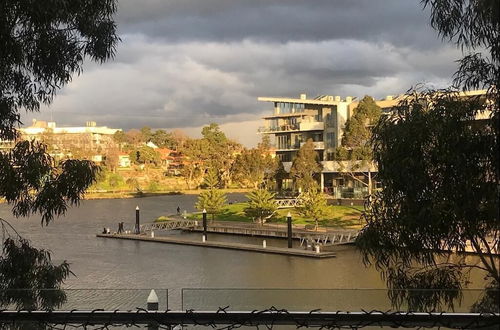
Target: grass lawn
x=338 y=217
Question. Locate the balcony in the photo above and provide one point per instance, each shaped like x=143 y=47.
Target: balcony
x=280 y=129
x=345 y=166
x=319 y=145
x=287 y=147
x=312 y=126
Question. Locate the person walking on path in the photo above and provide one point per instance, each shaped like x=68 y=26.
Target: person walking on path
x=178 y=210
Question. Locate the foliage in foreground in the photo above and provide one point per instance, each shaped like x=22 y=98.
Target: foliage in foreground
x=435 y=197
x=41 y=47
x=28 y=278
x=439 y=167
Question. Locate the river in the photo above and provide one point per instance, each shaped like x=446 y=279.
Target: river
x=100 y=263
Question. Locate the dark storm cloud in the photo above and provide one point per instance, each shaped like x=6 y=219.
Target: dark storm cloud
x=402 y=22
x=186 y=63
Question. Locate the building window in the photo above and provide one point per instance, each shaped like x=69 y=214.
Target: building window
x=319 y=116
x=317 y=137
x=286 y=107
x=283 y=141
x=330 y=139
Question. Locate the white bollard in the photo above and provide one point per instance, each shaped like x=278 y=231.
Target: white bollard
x=203 y=238
x=152 y=301
x=152 y=234
x=152 y=305
x=264 y=244
x=317 y=248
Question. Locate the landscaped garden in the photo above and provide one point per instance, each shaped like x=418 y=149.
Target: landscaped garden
x=336 y=216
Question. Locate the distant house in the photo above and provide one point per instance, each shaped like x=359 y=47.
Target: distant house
x=176 y=163
x=123 y=160
x=165 y=157
x=151 y=145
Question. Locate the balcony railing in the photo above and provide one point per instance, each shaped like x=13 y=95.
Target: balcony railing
x=281 y=128
x=318 y=145
x=312 y=126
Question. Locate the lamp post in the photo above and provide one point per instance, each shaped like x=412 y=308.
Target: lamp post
x=204 y=223
x=289 y=231
x=137 y=223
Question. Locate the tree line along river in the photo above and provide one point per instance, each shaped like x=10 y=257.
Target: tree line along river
x=118 y=264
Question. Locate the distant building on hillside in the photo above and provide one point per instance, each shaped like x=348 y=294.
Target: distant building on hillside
x=88 y=142
x=123 y=160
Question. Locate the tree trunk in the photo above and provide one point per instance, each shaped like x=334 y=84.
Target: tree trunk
x=369 y=182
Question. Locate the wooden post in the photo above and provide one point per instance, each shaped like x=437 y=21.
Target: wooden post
x=205 y=223
x=289 y=222
x=137 y=222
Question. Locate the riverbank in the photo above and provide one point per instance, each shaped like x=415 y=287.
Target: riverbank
x=135 y=194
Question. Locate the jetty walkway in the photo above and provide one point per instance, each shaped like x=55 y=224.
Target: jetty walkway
x=322 y=236
x=223 y=245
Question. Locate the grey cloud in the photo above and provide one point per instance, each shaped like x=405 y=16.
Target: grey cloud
x=187 y=63
x=402 y=22
x=191 y=84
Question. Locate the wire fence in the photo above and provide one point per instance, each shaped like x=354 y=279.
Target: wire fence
x=223 y=308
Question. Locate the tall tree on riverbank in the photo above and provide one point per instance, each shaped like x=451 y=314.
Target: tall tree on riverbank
x=194 y=162
x=439 y=167
x=354 y=157
x=220 y=153
x=41 y=47
x=254 y=168
x=306 y=167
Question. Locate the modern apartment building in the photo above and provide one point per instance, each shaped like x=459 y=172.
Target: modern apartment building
x=295 y=120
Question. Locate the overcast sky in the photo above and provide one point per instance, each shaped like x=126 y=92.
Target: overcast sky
x=186 y=63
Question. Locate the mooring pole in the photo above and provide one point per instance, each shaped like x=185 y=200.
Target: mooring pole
x=205 y=223
x=289 y=231
x=137 y=223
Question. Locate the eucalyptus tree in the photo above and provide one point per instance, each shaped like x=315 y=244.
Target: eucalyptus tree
x=42 y=44
x=439 y=168
x=354 y=157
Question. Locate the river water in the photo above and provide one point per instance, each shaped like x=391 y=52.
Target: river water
x=101 y=264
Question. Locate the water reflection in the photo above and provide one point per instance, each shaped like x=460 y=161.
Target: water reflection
x=104 y=263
